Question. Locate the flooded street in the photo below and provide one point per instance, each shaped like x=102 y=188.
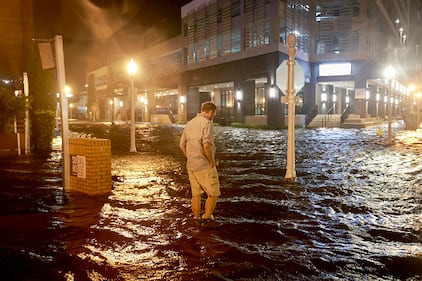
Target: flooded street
x=353 y=213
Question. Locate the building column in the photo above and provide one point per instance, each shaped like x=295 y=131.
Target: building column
x=149 y=104
x=240 y=99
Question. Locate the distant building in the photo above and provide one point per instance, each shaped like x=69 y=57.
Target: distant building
x=229 y=51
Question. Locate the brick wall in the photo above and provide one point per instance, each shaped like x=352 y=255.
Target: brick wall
x=90 y=163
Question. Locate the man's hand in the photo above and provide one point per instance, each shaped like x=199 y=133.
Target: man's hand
x=208 y=154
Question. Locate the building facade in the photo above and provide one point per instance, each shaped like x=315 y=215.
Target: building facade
x=229 y=52
x=16 y=28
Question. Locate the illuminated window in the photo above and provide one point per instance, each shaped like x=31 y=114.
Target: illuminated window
x=227 y=98
x=260 y=104
x=334 y=69
x=257 y=24
x=323 y=97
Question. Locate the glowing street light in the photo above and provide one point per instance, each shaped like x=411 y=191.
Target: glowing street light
x=412 y=87
x=389 y=74
x=132 y=68
x=68 y=91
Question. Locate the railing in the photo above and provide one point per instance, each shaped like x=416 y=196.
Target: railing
x=327 y=116
x=172 y=116
x=225 y=115
x=345 y=113
x=311 y=115
x=164 y=111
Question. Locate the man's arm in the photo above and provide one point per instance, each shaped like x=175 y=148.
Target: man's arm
x=208 y=153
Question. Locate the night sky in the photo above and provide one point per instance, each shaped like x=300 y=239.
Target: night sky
x=97 y=31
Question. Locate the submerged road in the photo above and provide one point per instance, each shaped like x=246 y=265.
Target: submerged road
x=354 y=212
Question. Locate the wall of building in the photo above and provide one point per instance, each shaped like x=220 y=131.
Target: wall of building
x=16 y=29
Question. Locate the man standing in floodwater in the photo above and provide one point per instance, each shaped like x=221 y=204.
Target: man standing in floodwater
x=197 y=143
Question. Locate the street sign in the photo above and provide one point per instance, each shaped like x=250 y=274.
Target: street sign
x=281 y=77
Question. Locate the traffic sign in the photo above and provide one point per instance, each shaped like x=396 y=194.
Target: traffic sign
x=281 y=77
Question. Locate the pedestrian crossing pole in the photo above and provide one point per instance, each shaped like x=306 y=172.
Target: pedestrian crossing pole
x=291 y=170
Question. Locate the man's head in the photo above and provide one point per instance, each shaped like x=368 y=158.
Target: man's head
x=208 y=109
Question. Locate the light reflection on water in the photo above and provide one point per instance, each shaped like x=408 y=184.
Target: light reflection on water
x=354 y=212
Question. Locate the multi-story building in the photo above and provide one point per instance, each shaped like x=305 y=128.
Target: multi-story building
x=229 y=52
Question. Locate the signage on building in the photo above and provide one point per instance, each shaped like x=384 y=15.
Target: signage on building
x=335 y=69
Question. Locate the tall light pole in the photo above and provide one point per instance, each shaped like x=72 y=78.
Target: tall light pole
x=71 y=110
x=132 y=68
x=418 y=96
x=61 y=82
x=389 y=74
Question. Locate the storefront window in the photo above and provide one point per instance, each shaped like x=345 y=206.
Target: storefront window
x=260 y=105
x=227 y=98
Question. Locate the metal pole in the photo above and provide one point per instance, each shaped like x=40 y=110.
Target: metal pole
x=417 y=114
x=61 y=81
x=291 y=170
x=390 y=134
x=132 y=116
x=26 y=93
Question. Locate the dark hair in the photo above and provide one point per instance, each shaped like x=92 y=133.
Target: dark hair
x=208 y=106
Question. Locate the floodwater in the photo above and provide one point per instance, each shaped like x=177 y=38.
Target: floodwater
x=353 y=213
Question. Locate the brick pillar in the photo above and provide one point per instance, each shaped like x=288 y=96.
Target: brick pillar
x=90 y=165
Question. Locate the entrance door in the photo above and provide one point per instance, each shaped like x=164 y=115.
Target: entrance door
x=204 y=97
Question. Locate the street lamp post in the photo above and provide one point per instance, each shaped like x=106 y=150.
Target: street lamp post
x=71 y=110
x=418 y=95
x=132 y=69
x=389 y=73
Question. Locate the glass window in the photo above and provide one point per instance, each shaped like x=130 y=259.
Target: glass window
x=336 y=47
x=356 y=8
x=355 y=41
x=235 y=8
x=227 y=98
x=220 y=45
x=207 y=49
x=213 y=50
x=235 y=41
x=260 y=104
